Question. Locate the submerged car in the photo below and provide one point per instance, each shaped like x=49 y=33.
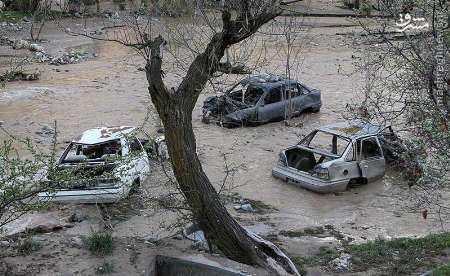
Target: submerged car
x=260 y=99
x=101 y=166
x=334 y=156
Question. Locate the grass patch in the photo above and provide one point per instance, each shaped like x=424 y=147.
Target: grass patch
x=310 y=231
x=12 y=16
x=401 y=256
x=324 y=256
x=99 y=243
x=299 y=263
x=28 y=246
x=105 y=268
x=441 y=271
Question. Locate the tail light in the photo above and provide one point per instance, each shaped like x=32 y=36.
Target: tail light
x=321 y=173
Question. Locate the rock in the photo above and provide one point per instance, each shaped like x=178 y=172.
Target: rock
x=21 y=44
x=77 y=216
x=38 y=239
x=45 y=131
x=4 y=243
x=178 y=237
x=342 y=263
x=76 y=242
x=2 y=6
x=26 y=19
x=36 y=223
x=247 y=207
x=36 y=48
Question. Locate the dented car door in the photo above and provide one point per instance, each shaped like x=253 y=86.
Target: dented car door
x=371 y=159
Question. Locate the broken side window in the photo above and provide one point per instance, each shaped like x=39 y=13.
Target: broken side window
x=369 y=148
x=329 y=143
x=292 y=91
x=273 y=96
x=252 y=95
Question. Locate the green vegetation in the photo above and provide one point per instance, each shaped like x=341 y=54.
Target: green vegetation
x=310 y=231
x=403 y=256
x=13 y=16
x=100 y=243
x=399 y=256
x=441 y=271
x=299 y=263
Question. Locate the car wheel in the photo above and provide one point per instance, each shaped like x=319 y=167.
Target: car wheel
x=315 y=109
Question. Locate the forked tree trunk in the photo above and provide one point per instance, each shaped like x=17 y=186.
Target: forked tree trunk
x=175 y=110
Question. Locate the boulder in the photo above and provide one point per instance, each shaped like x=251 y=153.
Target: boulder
x=342 y=263
x=36 y=48
x=21 y=44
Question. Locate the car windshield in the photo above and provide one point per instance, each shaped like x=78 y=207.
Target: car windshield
x=246 y=94
x=93 y=153
x=326 y=142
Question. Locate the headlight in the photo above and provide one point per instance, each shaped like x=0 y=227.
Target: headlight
x=321 y=173
x=282 y=159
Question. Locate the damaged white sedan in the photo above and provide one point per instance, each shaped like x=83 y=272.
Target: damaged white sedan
x=101 y=166
x=335 y=156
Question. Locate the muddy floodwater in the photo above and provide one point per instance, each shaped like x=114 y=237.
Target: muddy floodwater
x=111 y=89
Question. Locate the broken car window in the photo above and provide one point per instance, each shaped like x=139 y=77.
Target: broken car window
x=93 y=153
x=273 y=96
x=248 y=94
x=328 y=143
x=370 y=148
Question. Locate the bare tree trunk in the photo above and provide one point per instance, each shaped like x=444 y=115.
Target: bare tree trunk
x=175 y=110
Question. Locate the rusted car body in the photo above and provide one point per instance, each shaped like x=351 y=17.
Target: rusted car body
x=260 y=99
x=334 y=156
x=102 y=166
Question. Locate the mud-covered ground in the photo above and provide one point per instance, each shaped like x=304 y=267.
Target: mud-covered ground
x=110 y=89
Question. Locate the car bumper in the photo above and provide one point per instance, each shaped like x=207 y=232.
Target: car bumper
x=309 y=182
x=101 y=195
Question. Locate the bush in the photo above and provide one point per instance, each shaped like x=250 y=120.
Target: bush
x=22 y=5
x=99 y=243
x=365 y=8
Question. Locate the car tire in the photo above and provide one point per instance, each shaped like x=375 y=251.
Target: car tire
x=315 y=109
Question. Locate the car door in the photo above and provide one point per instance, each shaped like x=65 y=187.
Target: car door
x=371 y=159
x=272 y=107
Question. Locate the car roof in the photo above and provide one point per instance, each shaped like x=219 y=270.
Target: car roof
x=266 y=80
x=103 y=134
x=352 y=129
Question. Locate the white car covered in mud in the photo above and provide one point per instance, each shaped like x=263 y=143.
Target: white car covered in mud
x=100 y=166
